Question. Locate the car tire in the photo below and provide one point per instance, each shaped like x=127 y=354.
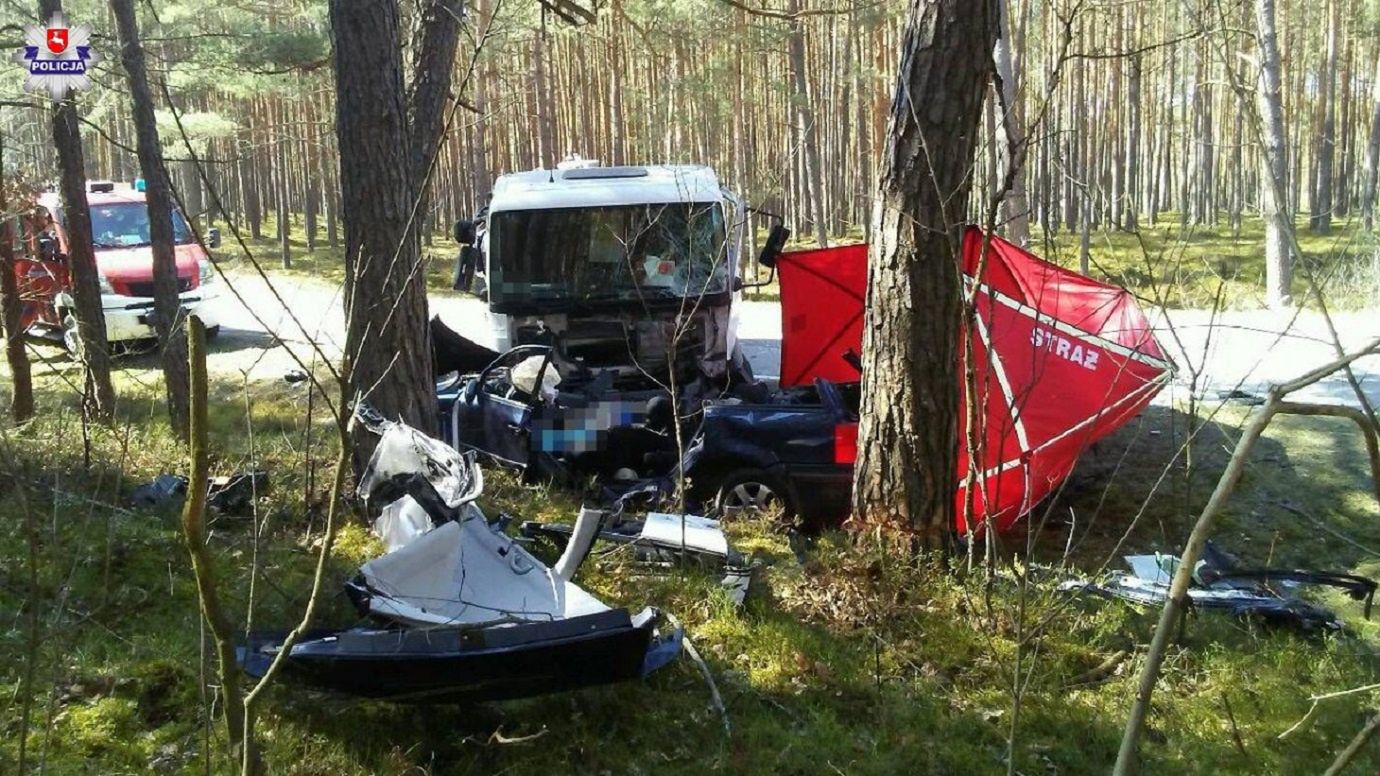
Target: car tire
x=753 y=491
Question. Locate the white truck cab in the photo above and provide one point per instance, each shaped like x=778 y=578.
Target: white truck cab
x=632 y=269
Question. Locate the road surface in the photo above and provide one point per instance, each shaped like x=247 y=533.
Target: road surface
x=1245 y=350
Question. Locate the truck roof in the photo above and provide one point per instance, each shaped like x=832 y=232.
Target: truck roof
x=53 y=201
x=605 y=186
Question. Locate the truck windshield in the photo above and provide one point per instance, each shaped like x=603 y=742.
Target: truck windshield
x=574 y=257
x=126 y=225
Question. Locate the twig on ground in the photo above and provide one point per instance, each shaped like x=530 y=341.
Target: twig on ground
x=694 y=654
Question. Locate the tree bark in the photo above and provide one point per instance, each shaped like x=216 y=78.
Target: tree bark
x=1279 y=261
x=98 y=399
x=11 y=314
x=1015 y=204
x=387 y=358
x=806 y=135
x=541 y=98
x=1327 y=140
x=172 y=343
x=432 y=64
x=906 y=470
x=1372 y=153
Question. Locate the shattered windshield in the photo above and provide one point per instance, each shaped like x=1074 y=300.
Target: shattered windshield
x=572 y=257
x=126 y=225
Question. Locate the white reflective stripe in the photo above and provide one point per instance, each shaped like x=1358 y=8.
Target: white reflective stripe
x=994 y=358
x=1009 y=465
x=1045 y=319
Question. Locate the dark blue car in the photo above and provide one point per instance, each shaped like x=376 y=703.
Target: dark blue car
x=791 y=450
x=754 y=449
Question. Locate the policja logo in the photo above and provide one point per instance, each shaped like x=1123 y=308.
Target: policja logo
x=58 y=58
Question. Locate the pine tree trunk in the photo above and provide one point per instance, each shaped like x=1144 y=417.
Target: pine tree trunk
x=1130 y=215
x=11 y=314
x=98 y=395
x=546 y=133
x=908 y=439
x=172 y=343
x=433 y=60
x=387 y=358
x=1372 y=153
x=1327 y=140
x=1275 y=168
x=806 y=136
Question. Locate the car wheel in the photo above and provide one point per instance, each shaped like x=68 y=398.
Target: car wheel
x=752 y=491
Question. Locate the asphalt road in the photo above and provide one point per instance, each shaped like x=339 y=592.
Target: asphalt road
x=1239 y=350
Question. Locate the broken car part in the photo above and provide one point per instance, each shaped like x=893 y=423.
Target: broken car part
x=464 y=611
x=660 y=539
x=1219 y=582
x=231 y=495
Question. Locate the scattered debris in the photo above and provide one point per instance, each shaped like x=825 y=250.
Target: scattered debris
x=661 y=539
x=1219 y=582
x=231 y=495
x=165 y=489
x=466 y=612
x=235 y=494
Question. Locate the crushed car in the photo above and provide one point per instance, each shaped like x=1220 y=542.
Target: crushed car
x=458 y=610
x=789 y=451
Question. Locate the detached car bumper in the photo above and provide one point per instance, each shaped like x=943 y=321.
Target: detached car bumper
x=132 y=317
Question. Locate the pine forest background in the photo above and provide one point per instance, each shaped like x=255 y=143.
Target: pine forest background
x=1135 y=113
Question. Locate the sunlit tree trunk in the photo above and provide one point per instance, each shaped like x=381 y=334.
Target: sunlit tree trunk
x=380 y=133
x=12 y=311
x=908 y=438
x=1275 y=168
x=806 y=136
x=172 y=343
x=98 y=394
x=1372 y=172
x=1327 y=139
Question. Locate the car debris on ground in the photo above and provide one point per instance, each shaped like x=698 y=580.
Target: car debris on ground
x=231 y=494
x=1220 y=582
x=661 y=539
x=457 y=610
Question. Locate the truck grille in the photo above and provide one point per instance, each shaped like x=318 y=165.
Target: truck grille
x=146 y=288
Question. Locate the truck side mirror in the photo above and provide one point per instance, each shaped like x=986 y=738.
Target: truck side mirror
x=213 y=237
x=776 y=241
x=465 y=265
x=465 y=231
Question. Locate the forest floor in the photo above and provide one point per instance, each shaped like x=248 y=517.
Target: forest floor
x=852 y=662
